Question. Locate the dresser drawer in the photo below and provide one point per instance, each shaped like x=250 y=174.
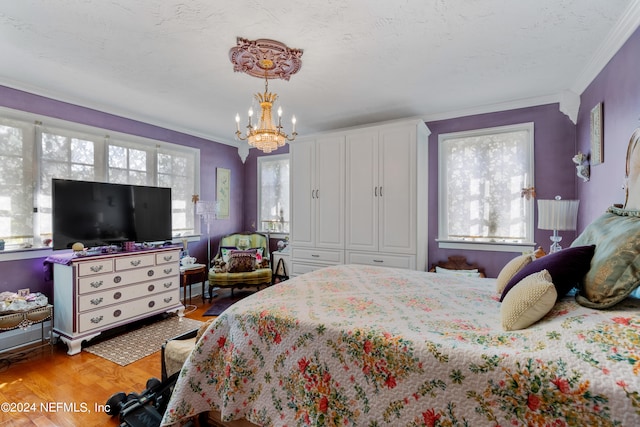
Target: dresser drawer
x=88 y=268
x=383 y=260
x=107 y=281
x=128 y=262
x=318 y=255
x=166 y=257
x=98 y=319
x=122 y=294
x=299 y=268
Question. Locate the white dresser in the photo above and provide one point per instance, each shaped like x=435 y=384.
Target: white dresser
x=96 y=293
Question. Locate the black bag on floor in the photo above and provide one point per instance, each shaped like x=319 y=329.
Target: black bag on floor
x=145 y=409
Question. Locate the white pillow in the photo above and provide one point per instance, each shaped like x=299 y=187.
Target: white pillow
x=510 y=270
x=468 y=273
x=528 y=301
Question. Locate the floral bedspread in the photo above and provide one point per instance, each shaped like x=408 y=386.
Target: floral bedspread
x=370 y=346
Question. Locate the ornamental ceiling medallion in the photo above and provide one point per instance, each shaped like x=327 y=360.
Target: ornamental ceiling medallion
x=266 y=59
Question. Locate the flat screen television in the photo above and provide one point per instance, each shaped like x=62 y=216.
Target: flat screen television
x=100 y=214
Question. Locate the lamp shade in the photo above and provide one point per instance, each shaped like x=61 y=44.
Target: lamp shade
x=558 y=214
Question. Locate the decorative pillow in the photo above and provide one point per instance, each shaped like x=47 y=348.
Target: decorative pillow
x=242 y=261
x=225 y=251
x=566 y=267
x=615 y=267
x=528 y=301
x=510 y=270
x=467 y=273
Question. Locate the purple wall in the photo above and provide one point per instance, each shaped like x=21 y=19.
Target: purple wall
x=618 y=88
x=556 y=139
x=554 y=146
x=28 y=273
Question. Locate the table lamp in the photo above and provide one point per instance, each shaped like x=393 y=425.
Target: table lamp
x=557 y=215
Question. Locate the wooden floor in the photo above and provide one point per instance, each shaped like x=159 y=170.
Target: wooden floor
x=50 y=388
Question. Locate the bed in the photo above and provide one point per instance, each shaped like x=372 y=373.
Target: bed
x=371 y=346
x=358 y=345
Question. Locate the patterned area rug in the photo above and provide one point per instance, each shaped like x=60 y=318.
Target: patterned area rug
x=134 y=345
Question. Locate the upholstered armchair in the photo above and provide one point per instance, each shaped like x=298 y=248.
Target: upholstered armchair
x=242 y=261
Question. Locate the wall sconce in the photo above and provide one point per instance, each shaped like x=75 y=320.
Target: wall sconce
x=582 y=166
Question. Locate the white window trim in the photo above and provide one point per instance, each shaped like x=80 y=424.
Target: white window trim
x=82 y=130
x=442 y=194
x=261 y=159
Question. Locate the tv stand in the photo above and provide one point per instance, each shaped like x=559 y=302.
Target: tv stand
x=95 y=293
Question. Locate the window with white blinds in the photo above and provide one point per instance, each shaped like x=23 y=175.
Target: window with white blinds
x=32 y=154
x=481 y=177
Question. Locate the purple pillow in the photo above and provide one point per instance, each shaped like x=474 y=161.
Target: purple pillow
x=566 y=267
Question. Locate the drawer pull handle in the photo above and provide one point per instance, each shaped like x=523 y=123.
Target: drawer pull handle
x=151 y=304
x=168 y=270
x=315 y=255
x=117 y=313
x=117 y=279
x=168 y=284
x=96 y=320
x=150 y=273
x=97 y=301
x=117 y=295
x=168 y=258
x=96 y=285
x=150 y=288
x=378 y=260
x=96 y=268
x=135 y=262
x=168 y=300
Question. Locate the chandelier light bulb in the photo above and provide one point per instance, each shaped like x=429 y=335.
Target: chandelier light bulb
x=250 y=112
x=279 y=111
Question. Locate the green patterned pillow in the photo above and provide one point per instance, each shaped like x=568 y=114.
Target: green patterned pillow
x=615 y=266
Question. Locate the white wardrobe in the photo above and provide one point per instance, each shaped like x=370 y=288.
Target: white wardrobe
x=360 y=196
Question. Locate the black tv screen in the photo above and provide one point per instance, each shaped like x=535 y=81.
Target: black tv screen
x=99 y=213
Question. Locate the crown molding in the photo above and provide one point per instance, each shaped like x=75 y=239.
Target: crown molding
x=130 y=115
x=627 y=24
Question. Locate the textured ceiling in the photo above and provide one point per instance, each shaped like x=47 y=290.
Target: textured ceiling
x=166 y=62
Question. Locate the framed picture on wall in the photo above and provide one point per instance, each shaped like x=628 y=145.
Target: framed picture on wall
x=223 y=186
x=597 y=148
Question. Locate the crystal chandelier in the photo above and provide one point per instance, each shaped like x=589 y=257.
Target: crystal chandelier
x=268 y=59
x=264 y=135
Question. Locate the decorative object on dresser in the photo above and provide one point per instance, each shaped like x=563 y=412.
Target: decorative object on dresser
x=96 y=293
x=557 y=215
x=457 y=264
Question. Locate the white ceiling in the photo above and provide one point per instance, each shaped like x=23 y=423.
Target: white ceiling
x=166 y=62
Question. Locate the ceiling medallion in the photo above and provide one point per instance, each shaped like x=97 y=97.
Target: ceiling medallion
x=267 y=59
x=264 y=58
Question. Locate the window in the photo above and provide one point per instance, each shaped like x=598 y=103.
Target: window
x=273 y=193
x=481 y=177
x=32 y=154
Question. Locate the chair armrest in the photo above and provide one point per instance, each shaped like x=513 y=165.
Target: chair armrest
x=183 y=336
